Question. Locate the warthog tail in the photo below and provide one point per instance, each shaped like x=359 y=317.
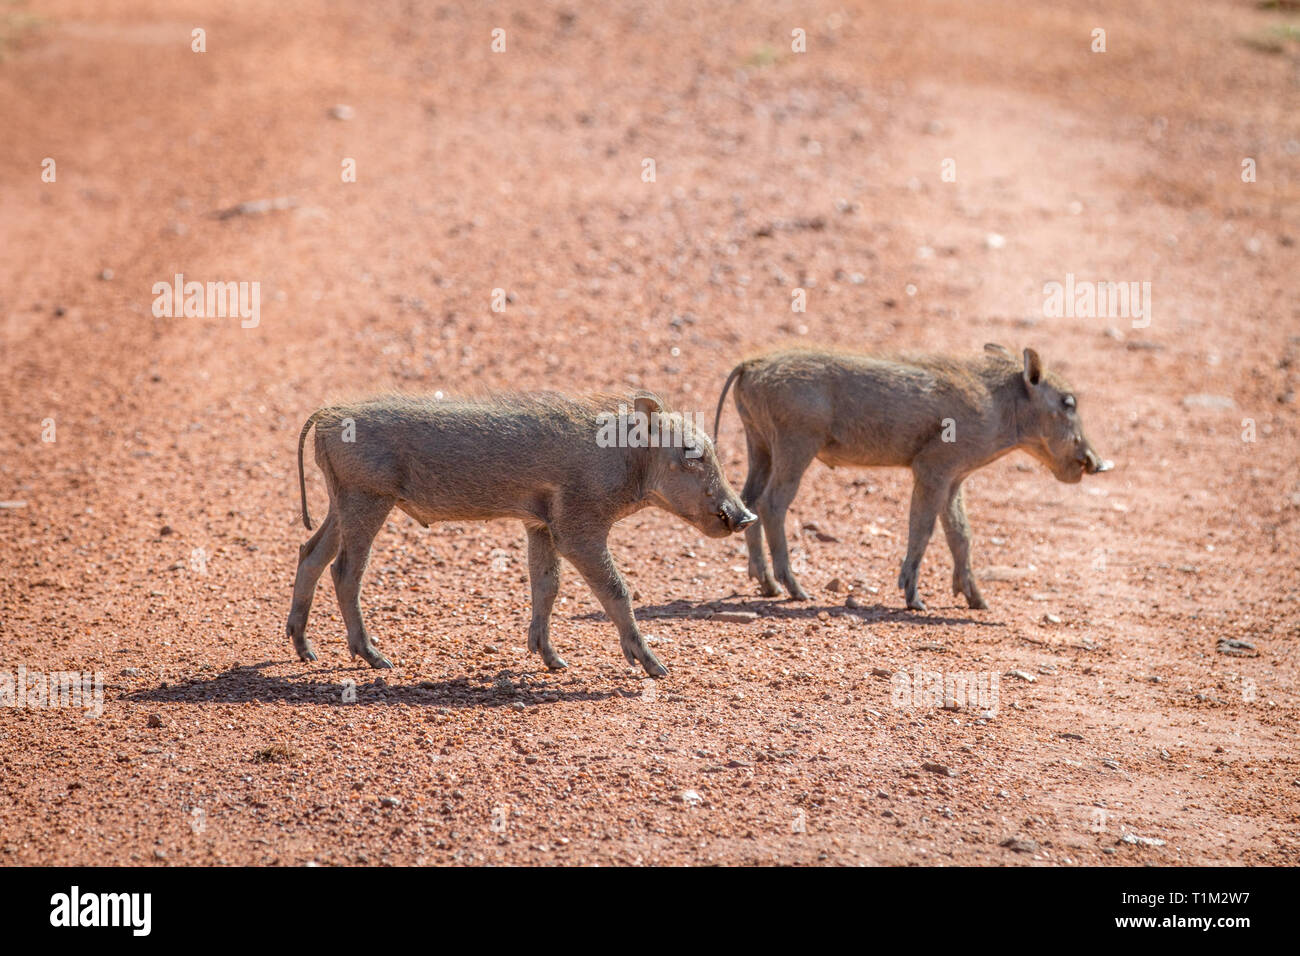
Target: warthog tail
x=717 y=418
x=302 y=480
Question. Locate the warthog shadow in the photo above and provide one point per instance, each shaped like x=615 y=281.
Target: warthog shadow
x=244 y=683
x=778 y=609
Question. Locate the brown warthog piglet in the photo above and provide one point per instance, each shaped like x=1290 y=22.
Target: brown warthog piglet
x=941 y=417
x=540 y=459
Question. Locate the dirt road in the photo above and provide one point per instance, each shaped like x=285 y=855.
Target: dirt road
x=921 y=171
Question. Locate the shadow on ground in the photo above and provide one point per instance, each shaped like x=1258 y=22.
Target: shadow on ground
x=246 y=683
x=778 y=610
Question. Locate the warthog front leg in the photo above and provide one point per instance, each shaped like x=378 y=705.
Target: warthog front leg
x=313 y=557
x=928 y=496
x=957 y=530
x=592 y=559
x=544 y=573
x=758 y=569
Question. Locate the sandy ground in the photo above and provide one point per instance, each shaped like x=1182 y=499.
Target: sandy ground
x=158 y=534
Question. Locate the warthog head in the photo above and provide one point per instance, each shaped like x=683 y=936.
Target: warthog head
x=685 y=477
x=1050 y=427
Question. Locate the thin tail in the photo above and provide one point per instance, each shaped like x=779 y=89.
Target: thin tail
x=717 y=418
x=302 y=480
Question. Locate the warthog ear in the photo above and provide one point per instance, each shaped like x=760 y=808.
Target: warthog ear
x=996 y=349
x=1033 y=368
x=647 y=404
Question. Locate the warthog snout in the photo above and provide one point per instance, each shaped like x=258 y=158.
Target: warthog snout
x=1094 y=464
x=737 y=517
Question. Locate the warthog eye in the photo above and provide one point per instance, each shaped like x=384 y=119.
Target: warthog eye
x=1068 y=401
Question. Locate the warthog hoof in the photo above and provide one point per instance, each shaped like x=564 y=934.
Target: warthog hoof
x=298 y=639
x=643 y=656
x=539 y=642
x=972 y=594
x=371 y=657
x=907 y=581
x=654 y=668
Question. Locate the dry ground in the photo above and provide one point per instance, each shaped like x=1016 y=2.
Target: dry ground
x=159 y=535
